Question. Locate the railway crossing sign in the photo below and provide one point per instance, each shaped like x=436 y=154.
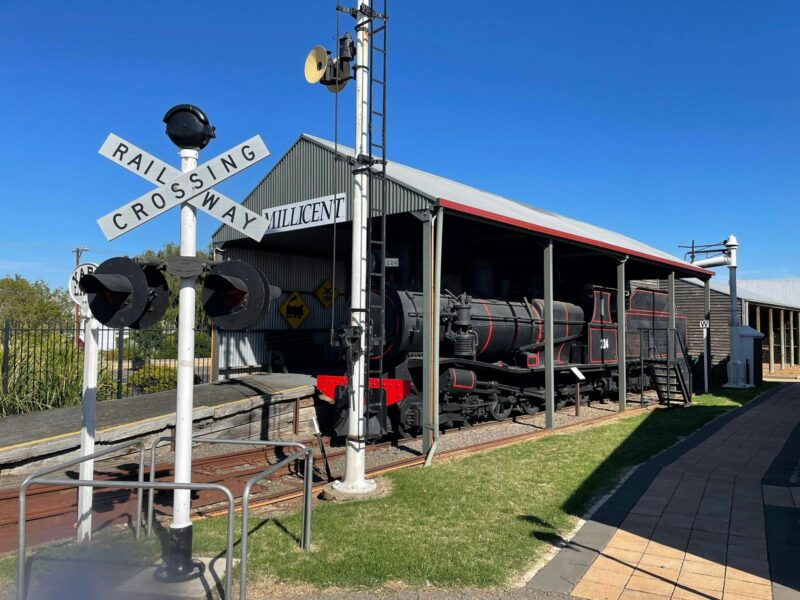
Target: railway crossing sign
x=175 y=187
x=295 y=310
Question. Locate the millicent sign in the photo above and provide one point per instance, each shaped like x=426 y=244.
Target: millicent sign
x=308 y=213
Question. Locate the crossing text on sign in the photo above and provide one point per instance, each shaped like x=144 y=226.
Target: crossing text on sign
x=156 y=171
x=182 y=188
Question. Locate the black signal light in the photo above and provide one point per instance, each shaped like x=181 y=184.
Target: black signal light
x=122 y=293
x=236 y=295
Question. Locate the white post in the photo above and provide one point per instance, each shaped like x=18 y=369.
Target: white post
x=355 y=465
x=88 y=405
x=735 y=363
x=180 y=530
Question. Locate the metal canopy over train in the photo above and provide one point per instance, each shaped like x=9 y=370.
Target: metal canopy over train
x=493 y=297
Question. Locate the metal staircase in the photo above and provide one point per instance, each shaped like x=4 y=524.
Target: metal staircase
x=666 y=359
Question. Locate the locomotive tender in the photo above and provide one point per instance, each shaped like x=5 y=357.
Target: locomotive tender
x=492 y=356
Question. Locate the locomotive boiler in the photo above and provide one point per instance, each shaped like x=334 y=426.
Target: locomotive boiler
x=492 y=357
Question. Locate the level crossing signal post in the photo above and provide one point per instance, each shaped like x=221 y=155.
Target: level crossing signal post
x=122 y=292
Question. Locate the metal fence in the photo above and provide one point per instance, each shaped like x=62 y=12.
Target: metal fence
x=42 y=365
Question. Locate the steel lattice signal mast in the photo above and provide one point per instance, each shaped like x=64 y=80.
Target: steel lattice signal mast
x=334 y=74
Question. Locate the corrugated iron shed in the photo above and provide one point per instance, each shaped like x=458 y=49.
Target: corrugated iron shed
x=410 y=189
x=785 y=291
x=756 y=292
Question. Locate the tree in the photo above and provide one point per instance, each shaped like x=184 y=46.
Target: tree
x=32 y=302
x=170 y=249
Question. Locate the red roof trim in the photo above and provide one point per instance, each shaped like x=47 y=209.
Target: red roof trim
x=478 y=212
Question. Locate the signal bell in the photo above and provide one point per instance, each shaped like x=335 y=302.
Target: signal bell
x=236 y=295
x=316 y=64
x=123 y=293
x=332 y=73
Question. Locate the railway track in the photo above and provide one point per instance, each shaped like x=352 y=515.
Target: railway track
x=52 y=509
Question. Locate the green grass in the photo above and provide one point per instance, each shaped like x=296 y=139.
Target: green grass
x=472 y=522
x=477 y=521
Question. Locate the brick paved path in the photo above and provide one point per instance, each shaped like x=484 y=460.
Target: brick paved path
x=707 y=526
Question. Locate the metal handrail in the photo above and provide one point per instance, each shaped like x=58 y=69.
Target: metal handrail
x=170 y=438
x=140 y=485
x=305 y=541
x=34 y=478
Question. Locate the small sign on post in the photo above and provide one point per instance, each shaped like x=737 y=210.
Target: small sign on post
x=705 y=324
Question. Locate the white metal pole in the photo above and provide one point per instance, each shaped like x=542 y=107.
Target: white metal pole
x=88 y=407
x=735 y=362
x=186 y=316
x=354 y=478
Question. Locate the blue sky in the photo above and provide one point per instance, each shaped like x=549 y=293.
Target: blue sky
x=666 y=121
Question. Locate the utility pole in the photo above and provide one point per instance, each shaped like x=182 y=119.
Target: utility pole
x=355 y=481
x=78 y=252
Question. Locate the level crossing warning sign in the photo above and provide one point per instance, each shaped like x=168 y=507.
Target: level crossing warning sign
x=295 y=310
x=325 y=293
x=175 y=187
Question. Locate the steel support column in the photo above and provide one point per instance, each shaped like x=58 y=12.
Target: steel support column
x=622 y=353
x=549 y=354
x=791 y=338
x=428 y=367
x=437 y=321
x=758 y=318
x=782 y=339
x=771 y=341
x=671 y=318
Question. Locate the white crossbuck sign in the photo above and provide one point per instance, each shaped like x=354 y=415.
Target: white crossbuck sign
x=175 y=187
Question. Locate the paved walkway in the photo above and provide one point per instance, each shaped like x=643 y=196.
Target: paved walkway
x=717 y=516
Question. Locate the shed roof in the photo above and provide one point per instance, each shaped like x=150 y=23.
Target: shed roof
x=758 y=294
x=786 y=291
x=469 y=200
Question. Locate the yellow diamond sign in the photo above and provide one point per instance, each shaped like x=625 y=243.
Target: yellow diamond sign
x=325 y=293
x=294 y=310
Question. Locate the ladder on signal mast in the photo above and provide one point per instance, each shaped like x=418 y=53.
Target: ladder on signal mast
x=375 y=163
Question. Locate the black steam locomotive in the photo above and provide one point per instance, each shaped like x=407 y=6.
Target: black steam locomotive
x=492 y=357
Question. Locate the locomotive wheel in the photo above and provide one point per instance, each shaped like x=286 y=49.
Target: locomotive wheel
x=408 y=432
x=529 y=407
x=501 y=408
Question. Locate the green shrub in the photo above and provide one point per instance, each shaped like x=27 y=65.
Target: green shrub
x=46 y=371
x=156 y=378
x=202 y=344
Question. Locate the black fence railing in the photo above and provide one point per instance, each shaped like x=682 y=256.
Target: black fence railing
x=41 y=366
